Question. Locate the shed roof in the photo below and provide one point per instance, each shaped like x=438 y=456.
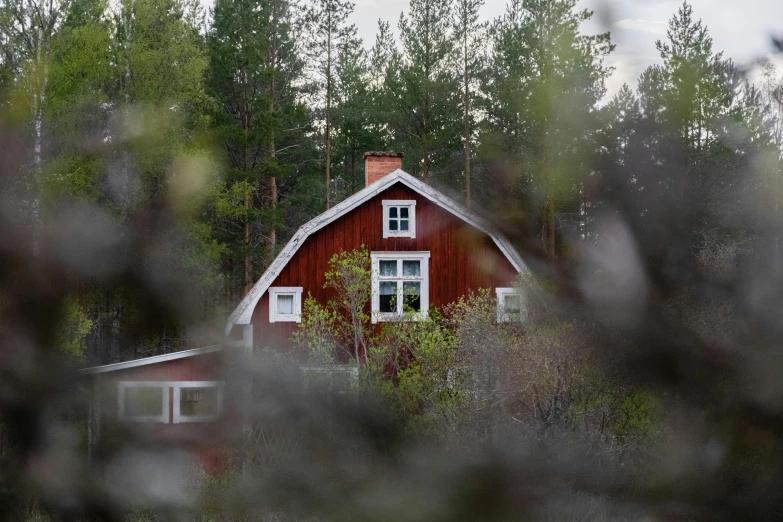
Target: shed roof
x=150 y=360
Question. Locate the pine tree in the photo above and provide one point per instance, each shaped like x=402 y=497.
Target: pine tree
x=695 y=83
x=471 y=40
x=545 y=82
x=27 y=28
x=328 y=31
x=422 y=88
x=256 y=76
x=354 y=129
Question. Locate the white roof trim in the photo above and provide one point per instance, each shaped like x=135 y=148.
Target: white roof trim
x=150 y=360
x=243 y=313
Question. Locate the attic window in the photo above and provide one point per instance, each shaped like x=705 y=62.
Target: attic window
x=511 y=306
x=400 y=285
x=399 y=218
x=285 y=304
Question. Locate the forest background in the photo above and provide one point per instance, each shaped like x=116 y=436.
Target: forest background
x=219 y=133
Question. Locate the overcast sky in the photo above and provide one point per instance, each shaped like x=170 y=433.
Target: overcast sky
x=741 y=29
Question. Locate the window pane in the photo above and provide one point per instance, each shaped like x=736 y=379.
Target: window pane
x=388 y=296
x=403 y=224
x=143 y=401
x=411 y=268
x=404 y=212
x=512 y=304
x=198 y=401
x=392 y=224
x=392 y=212
x=412 y=293
x=388 y=268
x=285 y=304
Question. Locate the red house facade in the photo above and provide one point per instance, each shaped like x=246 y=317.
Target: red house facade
x=427 y=251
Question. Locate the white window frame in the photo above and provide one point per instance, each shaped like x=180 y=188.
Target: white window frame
x=275 y=317
x=411 y=204
x=501 y=295
x=179 y=417
x=123 y=385
x=424 y=279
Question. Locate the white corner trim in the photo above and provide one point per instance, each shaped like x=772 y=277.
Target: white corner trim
x=178 y=417
x=411 y=204
x=150 y=360
x=296 y=292
x=501 y=294
x=164 y=390
x=243 y=313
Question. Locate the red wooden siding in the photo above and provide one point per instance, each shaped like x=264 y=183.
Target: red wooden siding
x=462 y=258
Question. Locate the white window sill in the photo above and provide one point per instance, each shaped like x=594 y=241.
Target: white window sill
x=288 y=318
x=379 y=317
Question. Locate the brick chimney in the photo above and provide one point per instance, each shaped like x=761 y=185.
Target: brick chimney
x=379 y=164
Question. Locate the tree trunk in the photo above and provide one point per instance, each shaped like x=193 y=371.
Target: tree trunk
x=467 y=123
x=248 y=199
x=248 y=258
x=328 y=152
x=271 y=186
x=272 y=181
x=328 y=116
x=551 y=235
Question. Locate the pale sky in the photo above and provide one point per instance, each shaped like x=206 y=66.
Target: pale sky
x=742 y=29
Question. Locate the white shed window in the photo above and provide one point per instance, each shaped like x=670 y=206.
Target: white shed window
x=399 y=218
x=400 y=285
x=143 y=401
x=197 y=401
x=285 y=304
x=511 y=306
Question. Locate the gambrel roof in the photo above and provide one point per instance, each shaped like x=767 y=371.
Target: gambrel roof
x=243 y=313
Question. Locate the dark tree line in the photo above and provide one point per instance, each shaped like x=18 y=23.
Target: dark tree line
x=244 y=122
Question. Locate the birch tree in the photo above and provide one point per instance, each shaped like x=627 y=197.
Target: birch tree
x=26 y=31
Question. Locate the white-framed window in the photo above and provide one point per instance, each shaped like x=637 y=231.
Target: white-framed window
x=285 y=304
x=399 y=218
x=143 y=401
x=400 y=284
x=197 y=401
x=511 y=305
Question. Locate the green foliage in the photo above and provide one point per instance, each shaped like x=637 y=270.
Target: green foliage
x=342 y=326
x=639 y=415
x=72 y=330
x=421 y=89
x=256 y=77
x=318 y=332
x=447 y=374
x=413 y=366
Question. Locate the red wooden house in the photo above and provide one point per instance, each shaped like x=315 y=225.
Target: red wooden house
x=427 y=251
